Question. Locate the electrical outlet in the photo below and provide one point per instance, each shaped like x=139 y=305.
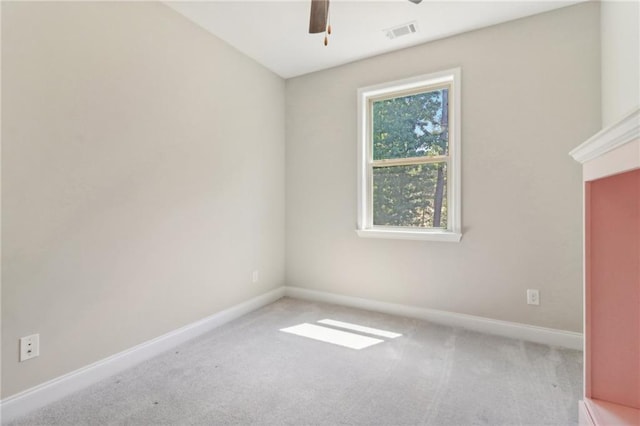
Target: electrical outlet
x=254 y=277
x=533 y=297
x=29 y=347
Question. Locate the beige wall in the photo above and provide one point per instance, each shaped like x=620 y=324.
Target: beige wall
x=530 y=93
x=144 y=171
x=142 y=180
x=620 y=26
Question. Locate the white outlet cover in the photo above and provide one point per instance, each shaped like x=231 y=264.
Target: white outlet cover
x=29 y=347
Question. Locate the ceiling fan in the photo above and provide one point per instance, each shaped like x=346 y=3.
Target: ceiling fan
x=319 y=20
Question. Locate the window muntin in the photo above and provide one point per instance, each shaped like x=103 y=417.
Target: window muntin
x=409 y=181
x=410 y=145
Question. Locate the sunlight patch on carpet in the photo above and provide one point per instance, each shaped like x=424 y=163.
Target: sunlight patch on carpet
x=360 y=328
x=330 y=335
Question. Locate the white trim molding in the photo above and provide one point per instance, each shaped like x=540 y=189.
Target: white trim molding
x=609 y=138
x=547 y=336
x=410 y=234
x=53 y=390
x=452 y=78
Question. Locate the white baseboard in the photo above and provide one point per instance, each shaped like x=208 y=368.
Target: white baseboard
x=547 y=336
x=48 y=392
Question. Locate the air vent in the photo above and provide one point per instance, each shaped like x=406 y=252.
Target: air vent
x=401 y=30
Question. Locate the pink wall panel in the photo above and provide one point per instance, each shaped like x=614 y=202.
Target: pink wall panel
x=613 y=288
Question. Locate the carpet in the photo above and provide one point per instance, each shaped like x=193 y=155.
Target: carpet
x=250 y=372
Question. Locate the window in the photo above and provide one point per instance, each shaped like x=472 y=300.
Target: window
x=409 y=158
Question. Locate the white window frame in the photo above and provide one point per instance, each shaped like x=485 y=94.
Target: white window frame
x=366 y=96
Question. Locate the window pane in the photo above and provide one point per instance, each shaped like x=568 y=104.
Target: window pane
x=411 y=126
x=414 y=196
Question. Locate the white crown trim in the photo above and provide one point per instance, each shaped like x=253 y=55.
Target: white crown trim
x=609 y=138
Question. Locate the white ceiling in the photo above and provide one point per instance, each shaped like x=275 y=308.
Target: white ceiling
x=275 y=33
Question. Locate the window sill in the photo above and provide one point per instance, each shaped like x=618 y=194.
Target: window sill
x=401 y=234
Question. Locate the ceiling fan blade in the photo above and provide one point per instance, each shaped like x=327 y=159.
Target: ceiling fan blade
x=415 y=1
x=318 y=19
